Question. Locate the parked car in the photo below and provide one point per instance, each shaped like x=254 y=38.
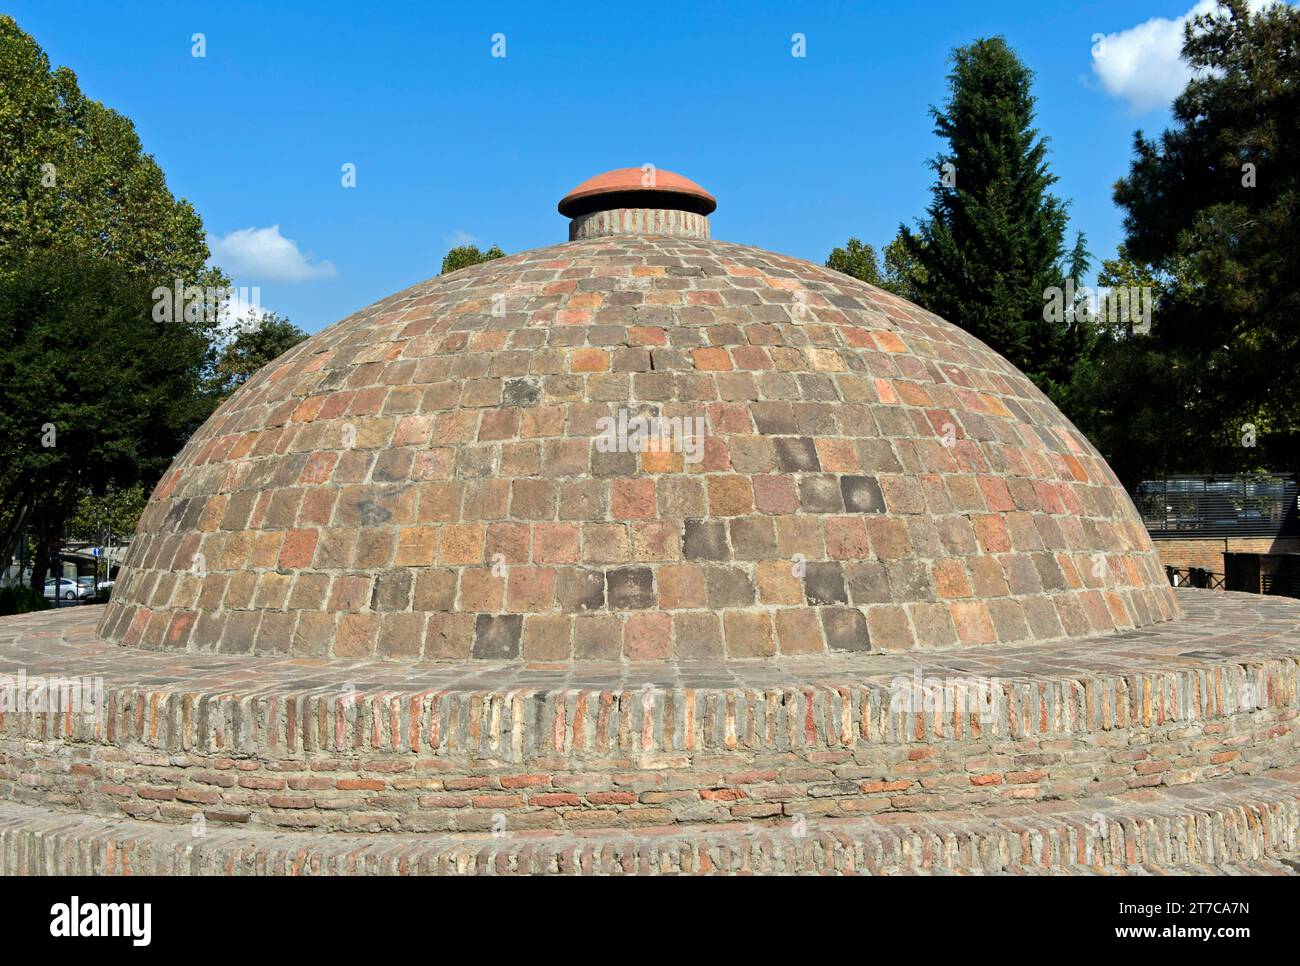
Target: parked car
x=68 y=589
x=92 y=596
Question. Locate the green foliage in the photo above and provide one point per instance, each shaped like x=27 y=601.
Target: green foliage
x=21 y=600
x=256 y=342
x=88 y=230
x=903 y=273
x=116 y=513
x=1220 y=242
x=73 y=175
x=905 y=276
x=1122 y=274
x=993 y=242
x=857 y=260
x=463 y=256
x=67 y=419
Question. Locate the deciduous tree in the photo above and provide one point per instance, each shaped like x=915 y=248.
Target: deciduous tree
x=462 y=256
x=88 y=229
x=255 y=342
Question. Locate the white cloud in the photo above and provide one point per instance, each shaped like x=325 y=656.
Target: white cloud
x=266 y=255
x=461 y=237
x=1144 y=64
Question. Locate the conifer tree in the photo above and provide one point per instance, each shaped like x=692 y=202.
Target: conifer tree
x=993 y=240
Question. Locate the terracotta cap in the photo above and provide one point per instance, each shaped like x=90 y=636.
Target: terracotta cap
x=626 y=188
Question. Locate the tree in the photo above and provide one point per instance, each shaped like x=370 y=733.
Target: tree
x=104 y=520
x=904 y=274
x=857 y=260
x=73 y=174
x=993 y=241
x=256 y=342
x=69 y=421
x=88 y=231
x=464 y=256
x=1211 y=207
x=115 y=513
x=1128 y=294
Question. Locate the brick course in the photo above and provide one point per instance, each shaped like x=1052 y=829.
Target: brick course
x=1253 y=829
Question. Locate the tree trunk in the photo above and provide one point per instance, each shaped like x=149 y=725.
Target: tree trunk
x=46 y=533
x=12 y=535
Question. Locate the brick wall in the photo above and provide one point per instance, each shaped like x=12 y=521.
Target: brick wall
x=437 y=761
x=1209 y=553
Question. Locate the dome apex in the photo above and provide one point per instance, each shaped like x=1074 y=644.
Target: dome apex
x=648 y=186
x=638 y=201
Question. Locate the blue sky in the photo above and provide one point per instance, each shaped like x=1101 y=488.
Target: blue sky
x=451 y=143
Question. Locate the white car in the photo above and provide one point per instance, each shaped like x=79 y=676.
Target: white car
x=68 y=589
x=88 y=585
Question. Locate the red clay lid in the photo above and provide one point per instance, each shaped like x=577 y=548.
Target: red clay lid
x=625 y=188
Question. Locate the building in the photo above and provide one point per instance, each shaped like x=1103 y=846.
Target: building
x=648 y=552
x=1239 y=532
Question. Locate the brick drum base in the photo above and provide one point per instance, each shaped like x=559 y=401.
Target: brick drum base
x=1169 y=748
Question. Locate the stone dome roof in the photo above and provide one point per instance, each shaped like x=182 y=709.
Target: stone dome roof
x=459 y=472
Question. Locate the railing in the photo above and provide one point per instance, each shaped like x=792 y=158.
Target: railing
x=1194 y=577
x=1280 y=585
x=1219 y=506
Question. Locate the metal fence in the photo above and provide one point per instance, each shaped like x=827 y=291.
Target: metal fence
x=1219 y=506
x=1195 y=577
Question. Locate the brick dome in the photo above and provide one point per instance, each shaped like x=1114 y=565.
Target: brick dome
x=456 y=473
